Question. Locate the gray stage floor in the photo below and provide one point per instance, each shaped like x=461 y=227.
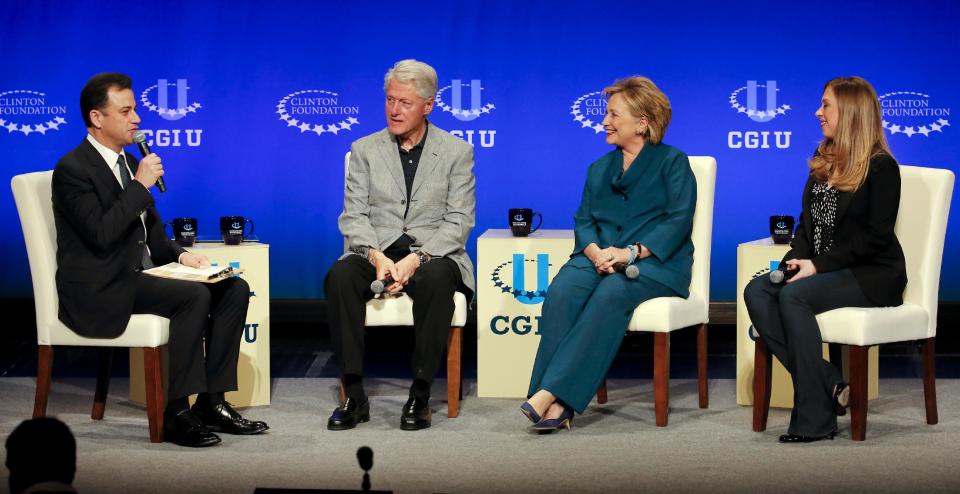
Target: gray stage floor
x=612 y=448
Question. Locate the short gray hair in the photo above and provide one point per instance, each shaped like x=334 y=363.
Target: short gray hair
x=411 y=71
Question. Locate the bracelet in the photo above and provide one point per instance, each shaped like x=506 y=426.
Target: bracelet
x=633 y=253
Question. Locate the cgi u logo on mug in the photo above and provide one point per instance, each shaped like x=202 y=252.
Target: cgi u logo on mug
x=184 y=231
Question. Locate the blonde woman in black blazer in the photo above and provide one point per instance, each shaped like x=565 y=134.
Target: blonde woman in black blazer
x=844 y=254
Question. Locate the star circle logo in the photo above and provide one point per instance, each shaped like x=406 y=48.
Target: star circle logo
x=317 y=111
x=588 y=111
x=27 y=112
x=456 y=108
x=913 y=113
x=519 y=292
x=751 y=109
x=161 y=104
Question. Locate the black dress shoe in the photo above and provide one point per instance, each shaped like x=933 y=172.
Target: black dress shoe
x=223 y=418
x=186 y=429
x=416 y=414
x=841 y=398
x=797 y=438
x=348 y=415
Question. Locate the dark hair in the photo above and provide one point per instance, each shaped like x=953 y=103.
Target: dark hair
x=40 y=450
x=94 y=93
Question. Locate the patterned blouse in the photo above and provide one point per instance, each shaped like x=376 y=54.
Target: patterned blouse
x=823 y=209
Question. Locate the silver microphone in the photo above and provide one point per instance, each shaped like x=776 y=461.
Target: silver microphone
x=776 y=276
x=378 y=286
x=631 y=271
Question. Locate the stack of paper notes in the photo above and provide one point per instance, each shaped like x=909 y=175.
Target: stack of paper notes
x=207 y=274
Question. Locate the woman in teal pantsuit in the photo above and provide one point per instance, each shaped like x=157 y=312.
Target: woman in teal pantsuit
x=637 y=207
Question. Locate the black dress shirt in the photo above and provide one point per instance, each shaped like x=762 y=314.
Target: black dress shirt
x=408 y=161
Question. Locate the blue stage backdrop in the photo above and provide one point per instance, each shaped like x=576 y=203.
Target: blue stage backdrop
x=253 y=104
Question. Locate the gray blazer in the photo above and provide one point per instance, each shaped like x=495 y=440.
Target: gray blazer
x=442 y=202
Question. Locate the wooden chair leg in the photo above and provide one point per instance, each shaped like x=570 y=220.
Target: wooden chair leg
x=702 y=366
x=927 y=358
x=454 y=342
x=153 y=384
x=661 y=377
x=44 y=370
x=602 y=392
x=762 y=377
x=858 y=392
x=103 y=383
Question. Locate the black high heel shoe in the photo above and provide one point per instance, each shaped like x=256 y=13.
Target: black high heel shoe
x=797 y=438
x=841 y=398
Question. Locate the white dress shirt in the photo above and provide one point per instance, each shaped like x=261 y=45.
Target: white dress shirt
x=110 y=157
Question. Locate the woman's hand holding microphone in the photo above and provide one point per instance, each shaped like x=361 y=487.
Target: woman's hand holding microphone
x=607 y=260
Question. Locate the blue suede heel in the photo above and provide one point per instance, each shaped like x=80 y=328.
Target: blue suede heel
x=530 y=412
x=564 y=421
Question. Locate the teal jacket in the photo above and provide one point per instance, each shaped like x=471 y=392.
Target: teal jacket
x=652 y=203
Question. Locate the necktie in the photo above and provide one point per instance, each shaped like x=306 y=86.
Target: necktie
x=145 y=260
x=124 y=172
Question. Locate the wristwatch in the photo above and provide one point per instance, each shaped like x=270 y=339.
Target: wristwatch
x=423 y=257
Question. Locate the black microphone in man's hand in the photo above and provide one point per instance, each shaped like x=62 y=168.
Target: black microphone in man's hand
x=783 y=274
x=141 y=141
x=378 y=286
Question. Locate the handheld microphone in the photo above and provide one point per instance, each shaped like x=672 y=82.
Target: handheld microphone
x=631 y=271
x=141 y=141
x=780 y=275
x=378 y=286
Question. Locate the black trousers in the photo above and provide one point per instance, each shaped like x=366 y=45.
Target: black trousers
x=198 y=312
x=785 y=317
x=431 y=287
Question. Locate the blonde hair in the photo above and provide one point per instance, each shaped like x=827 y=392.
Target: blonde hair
x=844 y=159
x=415 y=72
x=645 y=100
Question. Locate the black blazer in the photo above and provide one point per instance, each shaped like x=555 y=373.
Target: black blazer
x=863 y=238
x=100 y=242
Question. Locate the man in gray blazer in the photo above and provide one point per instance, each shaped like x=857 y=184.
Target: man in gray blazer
x=408 y=208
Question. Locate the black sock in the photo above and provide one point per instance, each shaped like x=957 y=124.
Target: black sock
x=176 y=406
x=353 y=387
x=420 y=389
x=211 y=399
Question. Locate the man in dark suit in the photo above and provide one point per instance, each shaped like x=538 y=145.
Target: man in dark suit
x=107 y=232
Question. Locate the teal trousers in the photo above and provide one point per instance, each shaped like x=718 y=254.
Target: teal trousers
x=584 y=318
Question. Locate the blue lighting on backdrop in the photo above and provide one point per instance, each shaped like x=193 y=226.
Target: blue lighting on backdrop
x=269 y=96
